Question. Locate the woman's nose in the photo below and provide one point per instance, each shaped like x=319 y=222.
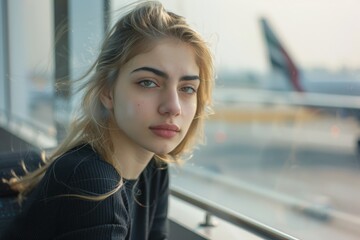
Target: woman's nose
x=170 y=103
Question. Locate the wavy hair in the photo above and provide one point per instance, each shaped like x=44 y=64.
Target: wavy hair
x=134 y=33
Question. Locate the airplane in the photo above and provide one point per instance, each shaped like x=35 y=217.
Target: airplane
x=288 y=85
x=300 y=81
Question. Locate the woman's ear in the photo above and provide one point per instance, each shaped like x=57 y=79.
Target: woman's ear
x=106 y=98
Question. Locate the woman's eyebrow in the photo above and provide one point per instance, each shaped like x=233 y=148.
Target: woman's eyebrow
x=153 y=70
x=190 y=78
x=164 y=74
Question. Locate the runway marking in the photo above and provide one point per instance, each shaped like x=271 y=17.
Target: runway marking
x=263 y=114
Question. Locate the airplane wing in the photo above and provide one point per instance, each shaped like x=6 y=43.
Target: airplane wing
x=306 y=99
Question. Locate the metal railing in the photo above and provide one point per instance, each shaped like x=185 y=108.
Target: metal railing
x=229 y=215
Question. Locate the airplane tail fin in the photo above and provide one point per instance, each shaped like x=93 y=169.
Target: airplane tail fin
x=279 y=58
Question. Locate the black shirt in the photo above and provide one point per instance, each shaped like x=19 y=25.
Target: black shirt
x=137 y=211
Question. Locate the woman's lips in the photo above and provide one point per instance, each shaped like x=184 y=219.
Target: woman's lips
x=165 y=130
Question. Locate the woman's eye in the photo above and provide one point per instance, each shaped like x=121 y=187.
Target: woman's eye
x=147 y=84
x=189 y=90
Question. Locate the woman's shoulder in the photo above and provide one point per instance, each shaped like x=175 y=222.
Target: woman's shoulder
x=83 y=168
x=85 y=159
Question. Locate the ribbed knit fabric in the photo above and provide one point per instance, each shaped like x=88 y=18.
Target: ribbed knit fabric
x=138 y=211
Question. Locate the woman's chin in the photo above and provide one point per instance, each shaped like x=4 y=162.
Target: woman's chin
x=163 y=151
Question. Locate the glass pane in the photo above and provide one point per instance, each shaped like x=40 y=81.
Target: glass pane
x=282 y=147
x=31 y=65
x=2 y=63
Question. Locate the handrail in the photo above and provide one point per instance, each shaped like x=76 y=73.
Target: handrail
x=229 y=215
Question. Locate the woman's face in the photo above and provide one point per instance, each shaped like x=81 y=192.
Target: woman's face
x=154 y=100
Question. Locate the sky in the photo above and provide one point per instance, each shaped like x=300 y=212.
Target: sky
x=316 y=33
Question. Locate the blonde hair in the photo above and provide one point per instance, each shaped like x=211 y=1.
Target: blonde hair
x=133 y=34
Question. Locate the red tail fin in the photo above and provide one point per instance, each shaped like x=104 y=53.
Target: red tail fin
x=279 y=58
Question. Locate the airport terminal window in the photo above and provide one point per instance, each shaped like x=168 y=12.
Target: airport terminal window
x=40 y=35
x=28 y=73
x=282 y=145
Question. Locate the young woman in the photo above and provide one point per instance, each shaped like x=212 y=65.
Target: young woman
x=143 y=107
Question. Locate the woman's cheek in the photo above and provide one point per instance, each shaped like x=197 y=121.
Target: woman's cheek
x=136 y=108
x=190 y=109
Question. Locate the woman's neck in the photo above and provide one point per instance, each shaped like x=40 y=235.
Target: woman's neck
x=130 y=159
x=130 y=165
